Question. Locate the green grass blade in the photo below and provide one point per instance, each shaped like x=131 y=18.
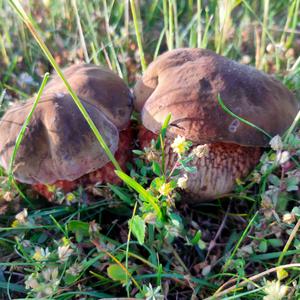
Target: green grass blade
x=227 y=110
x=138 y=35
x=24 y=126
x=139 y=189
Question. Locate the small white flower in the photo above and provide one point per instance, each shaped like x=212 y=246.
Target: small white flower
x=182 y=182
x=150 y=218
x=153 y=293
x=289 y=218
x=8 y=196
x=40 y=253
x=50 y=274
x=282 y=157
x=94 y=228
x=179 y=145
x=64 y=252
x=274 y=291
x=75 y=269
x=201 y=151
x=276 y=143
x=31 y=282
x=165 y=189
x=21 y=217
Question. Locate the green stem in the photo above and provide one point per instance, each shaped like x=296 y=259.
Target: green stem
x=227 y=110
x=138 y=35
x=24 y=127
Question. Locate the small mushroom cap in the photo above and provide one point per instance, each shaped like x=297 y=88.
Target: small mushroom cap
x=100 y=87
x=187 y=82
x=58 y=143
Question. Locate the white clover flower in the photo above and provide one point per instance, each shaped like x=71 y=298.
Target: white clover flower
x=21 y=217
x=274 y=291
x=282 y=157
x=64 y=252
x=31 y=282
x=50 y=274
x=153 y=293
x=41 y=254
x=276 y=143
x=75 y=269
x=165 y=189
x=182 y=181
x=8 y=196
x=70 y=197
x=201 y=151
x=179 y=145
x=289 y=218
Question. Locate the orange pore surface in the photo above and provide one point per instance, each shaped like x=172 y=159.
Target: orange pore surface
x=217 y=170
x=103 y=175
x=145 y=136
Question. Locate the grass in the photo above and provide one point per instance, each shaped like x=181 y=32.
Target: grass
x=86 y=248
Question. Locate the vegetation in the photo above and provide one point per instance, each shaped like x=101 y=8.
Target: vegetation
x=142 y=239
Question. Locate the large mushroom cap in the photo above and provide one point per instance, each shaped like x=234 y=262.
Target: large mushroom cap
x=100 y=87
x=58 y=143
x=186 y=83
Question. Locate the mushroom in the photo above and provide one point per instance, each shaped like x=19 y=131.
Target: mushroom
x=186 y=83
x=58 y=147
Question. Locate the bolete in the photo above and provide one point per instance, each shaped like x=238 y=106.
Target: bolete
x=58 y=148
x=187 y=84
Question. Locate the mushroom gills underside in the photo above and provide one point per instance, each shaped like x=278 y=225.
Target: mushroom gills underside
x=217 y=170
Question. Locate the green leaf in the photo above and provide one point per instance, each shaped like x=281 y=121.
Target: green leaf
x=201 y=244
x=138 y=228
x=81 y=229
x=138 y=152
x=165 y=125
x=263 y=246
x=176 y=220
x=156 y=168
x=296 y=211
x=274 y=180
x=163 y=131
x=196 y=238
x=281 y=273
x=189 y=169
x=121 y=194
x=157 y=183
x=117 y=273
x=292 y=184
x=142 y=192
x=276 y=243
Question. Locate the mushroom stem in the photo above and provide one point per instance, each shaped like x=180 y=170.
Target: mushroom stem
x=217 y=171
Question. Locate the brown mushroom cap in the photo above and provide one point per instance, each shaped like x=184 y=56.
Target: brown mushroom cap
x=100 y=87
x=58 y=143
x=186 y=83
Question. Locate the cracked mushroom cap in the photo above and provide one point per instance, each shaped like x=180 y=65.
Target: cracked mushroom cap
x=186 y=83
x=58 y=143
x=100 y=87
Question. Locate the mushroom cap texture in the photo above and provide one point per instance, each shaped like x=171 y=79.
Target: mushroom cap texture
x=100 y=87
x=58 y=143
x=187 y=82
